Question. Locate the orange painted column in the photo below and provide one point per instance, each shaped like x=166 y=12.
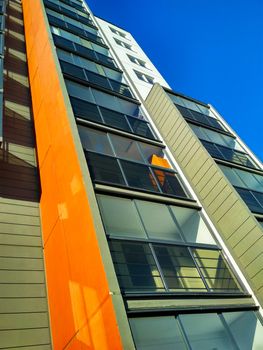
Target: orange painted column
x=81 y=309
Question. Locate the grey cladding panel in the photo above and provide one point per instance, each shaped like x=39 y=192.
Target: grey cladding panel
x=234 y=221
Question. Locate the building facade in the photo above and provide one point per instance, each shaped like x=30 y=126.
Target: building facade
x=131 y=215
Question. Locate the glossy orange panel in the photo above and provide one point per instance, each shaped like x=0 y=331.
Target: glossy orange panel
x=81 y=309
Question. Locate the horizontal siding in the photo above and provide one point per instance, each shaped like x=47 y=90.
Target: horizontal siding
x=236 y=224
x=24 y=320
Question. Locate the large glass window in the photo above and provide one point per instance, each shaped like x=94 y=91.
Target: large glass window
x=90 y=65
x=249 y=186
x=240 y=330
x=157 y=333
x=120 y=217
x=170 y=268
x=160 y=221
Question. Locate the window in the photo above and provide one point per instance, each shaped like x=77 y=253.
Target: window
x=239 y=330
x=159 y=221
x=144 y=77
x=123 y=35
x=123 y=44
x=144 y=267
x=137 y=61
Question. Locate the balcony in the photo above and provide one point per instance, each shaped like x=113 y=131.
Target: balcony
x=160 y=268
x=97 y=114
x=253 y=199
x=83 y=51
x=73 y=4
x=200 y=118
x=81 y=74
x=83 y=19
x=75 y=30
x=228 y=154
x=116 y=171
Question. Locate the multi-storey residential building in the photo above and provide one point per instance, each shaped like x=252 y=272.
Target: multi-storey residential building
x=136 y=224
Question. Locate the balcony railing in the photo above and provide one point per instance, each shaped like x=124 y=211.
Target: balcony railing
x=253 y=199
x=200 y=118
x=75 y=30
x=85 y=75
x=73 y=4
x=150 y=267
x=116 y=171
x=228 y=154
x=97 y=114
x=83 y=51
x=83 y=19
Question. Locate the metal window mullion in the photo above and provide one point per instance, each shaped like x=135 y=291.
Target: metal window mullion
x=183 y=332
x=158 y=267
x=220 y=315
x=198 y=269
x=127 y=121
x=154 y=177
x=252 y=193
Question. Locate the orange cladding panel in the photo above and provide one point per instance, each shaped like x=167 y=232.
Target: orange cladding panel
x=81 y=309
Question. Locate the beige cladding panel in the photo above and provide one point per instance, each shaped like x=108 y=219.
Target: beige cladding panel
x=236 y=224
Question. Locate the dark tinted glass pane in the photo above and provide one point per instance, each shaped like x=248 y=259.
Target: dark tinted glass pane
x=139 y=176
x=85 y=110
x=98 y=80
x=85 y=51
x=178 y=268
x=215 y=271
x=72 y=70
x=56 y=21
x=75 y=29
x=135 y=267
x=250 y=200
x=185 y=112
x=212 y=149
x=115 y=119
x=121 y=88
x=105 y=59
x=141 y=128
x=103 y=168
x=259 y=197
x=215 y=123
x=63 y=43
x=201 y=118
x=169 y=183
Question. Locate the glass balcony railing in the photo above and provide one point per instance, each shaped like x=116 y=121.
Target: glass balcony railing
x=200 y=118
x=97 y=114
x=228 y=154
x=159 y=268
x=253 y=199
x=83 y=51
x=116 y=171
x=83 y=19
x=73 y=4
x=74 y=71
x=75 y=30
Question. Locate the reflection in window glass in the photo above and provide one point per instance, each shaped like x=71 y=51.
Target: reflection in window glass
x=79 y=91
x=206 y=332
x=192 y=225
x=120 y=217
x=94 y=140
x=135 y=267
x=126 y=148
x=246 y=329
x=231 y=176
x=178 y=268
x=149 y=150
x=157 y=333
x=158 y=221
x=215 y=271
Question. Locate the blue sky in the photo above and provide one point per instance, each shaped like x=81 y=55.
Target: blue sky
x=208 y=49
